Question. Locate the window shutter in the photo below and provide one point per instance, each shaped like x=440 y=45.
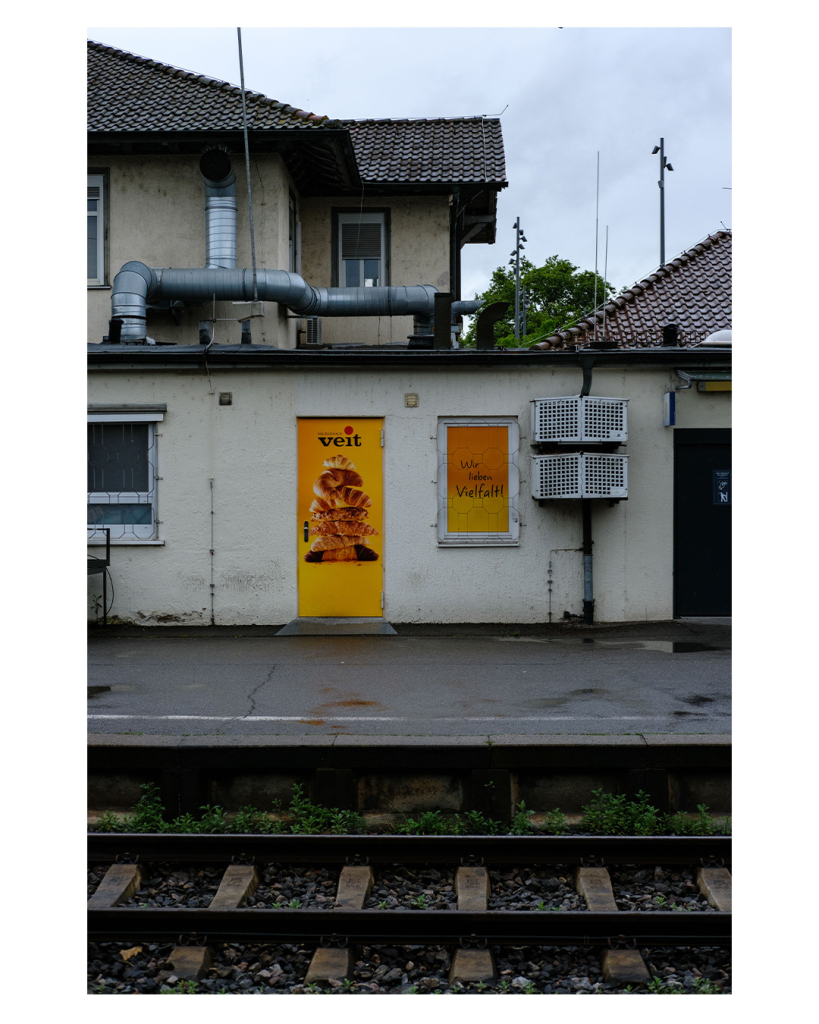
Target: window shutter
x=361 y=241
x=94 y=191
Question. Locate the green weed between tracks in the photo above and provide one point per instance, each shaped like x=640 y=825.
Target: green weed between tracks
x=607 y=814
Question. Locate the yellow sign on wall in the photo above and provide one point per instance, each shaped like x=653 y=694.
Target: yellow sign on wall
x=478 y=481
x=340 y=517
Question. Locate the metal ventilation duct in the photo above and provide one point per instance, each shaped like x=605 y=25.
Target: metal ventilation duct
x=220 y=209
x=136 y=284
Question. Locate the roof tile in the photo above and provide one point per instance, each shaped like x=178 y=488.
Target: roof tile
x=127 y=92
x=692 y=291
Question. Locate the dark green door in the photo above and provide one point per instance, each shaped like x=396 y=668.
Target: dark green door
x=702 y=522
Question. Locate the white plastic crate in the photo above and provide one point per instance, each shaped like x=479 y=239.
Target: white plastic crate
x=579 y=418
x=579 y=475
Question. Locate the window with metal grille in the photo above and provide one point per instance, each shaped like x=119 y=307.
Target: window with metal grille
x=96 y=229
x=362 y=248
x=122 y=473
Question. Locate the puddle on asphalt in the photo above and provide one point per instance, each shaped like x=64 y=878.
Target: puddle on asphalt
x=665 y=646
x=95 y=691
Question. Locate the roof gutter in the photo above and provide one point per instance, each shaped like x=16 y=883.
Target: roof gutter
x=188 y=357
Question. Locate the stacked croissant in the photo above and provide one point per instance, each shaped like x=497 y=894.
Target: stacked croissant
x=338 y=515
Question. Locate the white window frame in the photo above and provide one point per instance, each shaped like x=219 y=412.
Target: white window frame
x=135 y=531
x=362 y=218
x=97 y=181
x=509 y=538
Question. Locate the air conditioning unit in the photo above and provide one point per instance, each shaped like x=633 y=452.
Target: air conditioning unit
x=579 y=475
x=312 y=330
x=579 y=418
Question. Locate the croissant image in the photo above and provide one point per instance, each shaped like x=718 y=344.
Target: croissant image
x=342 y=527
x=339 y=462
x=326 y=543
x=358 y=553
x=337 y=512
x=343 y=512
x=332 y=479
x=348 y=496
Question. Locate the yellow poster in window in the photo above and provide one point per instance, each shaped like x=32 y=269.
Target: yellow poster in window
x=340 y=517
x=477 y=475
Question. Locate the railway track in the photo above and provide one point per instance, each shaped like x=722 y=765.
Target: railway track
x=468 y=926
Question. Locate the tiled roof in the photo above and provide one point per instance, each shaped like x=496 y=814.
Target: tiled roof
x=462 y=149
x=692 y=291
x=132 y=94
x=128 y=93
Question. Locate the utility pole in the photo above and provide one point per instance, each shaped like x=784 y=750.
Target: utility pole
x=664 y=165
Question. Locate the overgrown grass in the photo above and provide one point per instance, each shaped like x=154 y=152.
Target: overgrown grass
x=616 y=815
x=607 y=814
x=302 y=818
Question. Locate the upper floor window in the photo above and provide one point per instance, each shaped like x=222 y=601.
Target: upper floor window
x=96 y=229
x=361 y=246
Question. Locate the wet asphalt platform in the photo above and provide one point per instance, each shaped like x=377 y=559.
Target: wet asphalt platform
x=659 y=679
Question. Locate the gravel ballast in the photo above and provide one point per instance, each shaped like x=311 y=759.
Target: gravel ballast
x=270 y=969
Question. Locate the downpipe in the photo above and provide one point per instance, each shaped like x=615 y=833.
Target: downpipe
x=588 y=590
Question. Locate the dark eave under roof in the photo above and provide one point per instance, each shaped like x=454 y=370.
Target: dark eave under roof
x=320 y=163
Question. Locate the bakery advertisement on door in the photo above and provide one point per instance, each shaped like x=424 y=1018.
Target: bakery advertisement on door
x=340 y=517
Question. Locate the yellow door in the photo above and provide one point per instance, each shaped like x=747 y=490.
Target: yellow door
x=340 y=517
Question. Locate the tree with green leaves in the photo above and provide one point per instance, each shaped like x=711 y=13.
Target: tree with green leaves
x=557 y=295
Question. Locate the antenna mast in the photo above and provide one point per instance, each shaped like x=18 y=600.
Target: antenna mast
x=596 y=236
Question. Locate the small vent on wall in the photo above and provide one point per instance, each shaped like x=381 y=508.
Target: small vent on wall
x=312 y=331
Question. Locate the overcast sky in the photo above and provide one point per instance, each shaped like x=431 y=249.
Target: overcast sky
x=563 y=95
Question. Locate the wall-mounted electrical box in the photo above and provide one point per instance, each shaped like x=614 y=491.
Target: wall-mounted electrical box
x=312 y=331
x=579 y=475
x=579 y=419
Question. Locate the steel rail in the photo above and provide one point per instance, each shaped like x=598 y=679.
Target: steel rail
x=600 y=850
x=340 y=927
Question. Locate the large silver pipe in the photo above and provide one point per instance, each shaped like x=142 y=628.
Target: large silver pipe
x=135 y=285
x=220 y=209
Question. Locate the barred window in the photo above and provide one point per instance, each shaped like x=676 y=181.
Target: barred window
x=122 y=476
